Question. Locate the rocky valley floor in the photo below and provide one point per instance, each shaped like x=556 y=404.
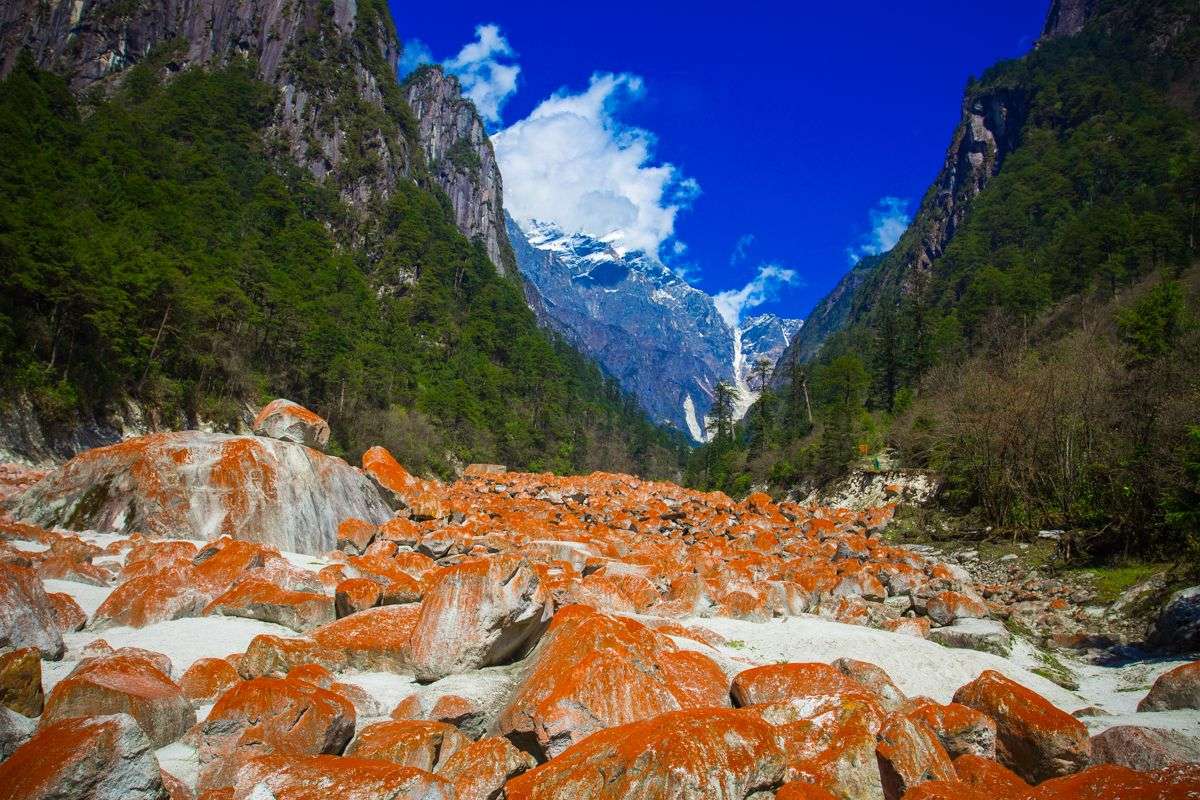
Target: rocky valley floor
x=198 y=615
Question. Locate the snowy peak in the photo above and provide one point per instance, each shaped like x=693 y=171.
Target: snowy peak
x=766 y=336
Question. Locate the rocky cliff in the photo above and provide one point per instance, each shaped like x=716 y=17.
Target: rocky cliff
x=461 y=160
x=332 y=60
x=1067 y=17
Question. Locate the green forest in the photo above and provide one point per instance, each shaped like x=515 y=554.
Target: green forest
x=153 y=248
x=1046 y=363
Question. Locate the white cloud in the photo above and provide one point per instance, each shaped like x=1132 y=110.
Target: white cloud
x=764 y=287
x=571 y=162
x=740 y=247
x=485 y=80
x=889 y=221
x=415 y=54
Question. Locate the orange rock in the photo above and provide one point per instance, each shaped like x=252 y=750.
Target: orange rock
x=148 y=557
x=989 y=776
x=795 y=683
x=356 y=594
x=355 y=535
x=704 y=754
x=255 y=598
x=90 y=757
x=1033 y=738
x=1175 y=689
x=875 y=679
x=275 y=655
x=945 y=607
x=410 y=743
x=393 y=480
x=373 y=639
x=909 y=754
x=909 y=626
x=1109 y=781
x=207 y=679
x=324 y=777
x=593 y=671
x=311 y=673
x=21 y=681
x=146 y=599
x=833 y=747
x=26 y=616
x=480 y=769
x=948 y=790
x=798 y=790
x=67 y=612
x=401 y=589
x=126 y=683
x=291 y=422
x=267 y=716
x=960 y=729
x=477 y=614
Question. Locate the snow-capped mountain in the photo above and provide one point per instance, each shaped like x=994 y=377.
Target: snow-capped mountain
x=662 y=339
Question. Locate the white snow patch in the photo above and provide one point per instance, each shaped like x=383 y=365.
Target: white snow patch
x=689 y=415
x=181 y=761
x=27 y=547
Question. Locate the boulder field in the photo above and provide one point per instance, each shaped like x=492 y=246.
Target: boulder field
x=219 y=617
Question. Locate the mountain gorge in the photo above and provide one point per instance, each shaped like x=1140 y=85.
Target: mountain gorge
x=664 y=340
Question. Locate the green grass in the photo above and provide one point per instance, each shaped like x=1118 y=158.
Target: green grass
x=735 y=644
x=1111 y=582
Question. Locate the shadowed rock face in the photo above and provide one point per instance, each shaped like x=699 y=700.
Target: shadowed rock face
x=92 y=42
x=201 y=485
x=460 y=158
x=1067 y=17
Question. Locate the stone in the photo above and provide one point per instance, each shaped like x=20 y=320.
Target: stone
x=98 y=758
x=1176 y=629
x=946 y=607
x=796 y=684
x=798 y=790
x=480 y=769
x=269 y=716
x=477 y=614
x=374 y=639
x=702 y=754
x=356 y=594
x=593 y=671
x=21 y=681
x=989 y=776
x=15 y=730
x=123 y=683
x=875 y=679
x=960 y=729
x=410 y=743
x=1112 y=782
x=67 y=612
x=268 y=654
x=27 y=618
x=1145 y=749
x=325 y=777
x=255 y=598
x=1033 y=738
x=948 y=790
x=291 y=422
x=202 y=485
x=354 y=536
x=1175 y=689
x=986 y=635
x=207 y=679
x=909 y=754
x=146 y=599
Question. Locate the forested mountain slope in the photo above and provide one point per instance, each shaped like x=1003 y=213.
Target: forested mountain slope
x=195 y=222
x=1066 y=207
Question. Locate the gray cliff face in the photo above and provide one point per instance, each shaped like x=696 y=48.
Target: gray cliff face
x=461 y=160
x=293 y=42
x=1067 y=17
x=663 y=340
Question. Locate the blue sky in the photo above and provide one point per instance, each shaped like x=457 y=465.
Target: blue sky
x=758 y=151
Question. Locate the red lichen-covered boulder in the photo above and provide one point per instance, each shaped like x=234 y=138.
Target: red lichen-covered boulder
x=989 y=776
x=143 y=600
x=480 y=769
x=799 y=790
x=909 y=754
x=291 y=422
x=275 y=655
x=355 y=535
x=126 y=683
x=1112 y=782
x=795 y=684
x=326 y=777
x=26 y=616
x=207 y=679
x=255 y=598
x=201 y=485
x=1033 y=738
x=373 y=639
x=945 y=607
x=477 y=614
x=356 y=594
x=268 y=716
x=831 y=745
x=410 y=743
x=909 y=626
x=1174 y=689
x=592 y=671
x=98 y=758
x=176 y=789
x=21 y=681
x=396 y=485
x=703 y=754
x=875 y=679
x=950 y=790
x=67 y=612
x=959 y=728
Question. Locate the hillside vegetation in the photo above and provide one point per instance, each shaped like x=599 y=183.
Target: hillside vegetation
x=1046 y=361
x=155 y=246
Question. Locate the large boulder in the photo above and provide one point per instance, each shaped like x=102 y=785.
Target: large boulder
x=319 y=777
x=1033 y=738
x=909 y=754
x=21 y=681
x=98 y=758
x=410 y=743
x=478 y=614
x=961 y=730
x=1177 y=627
x=291 y=422
x=255 y=598
x=1174 y=689
x=480 y=769
x=1112 y=782
x=986 y=635
x=126 y=683
x=15 y=730
x=27 y=617
x=207 y=679
x=201 y=485
x=269 y=716
x=592 y=671
x=1145 y=749
x=704 y=754
x=373 y=639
